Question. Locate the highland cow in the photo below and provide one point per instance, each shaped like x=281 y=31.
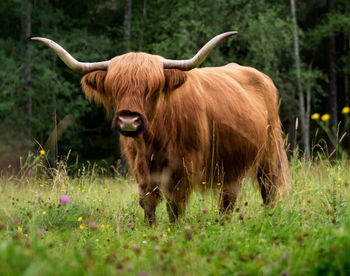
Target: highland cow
x=184 y=128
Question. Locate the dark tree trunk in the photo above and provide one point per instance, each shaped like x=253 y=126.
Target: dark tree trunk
x=127 y=24
x=27 y=68
x=333 y=108
x=143 y=27
x=303 y=110
x=346 y=86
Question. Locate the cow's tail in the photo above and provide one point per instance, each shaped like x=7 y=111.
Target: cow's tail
x=282 y=176
x=273 y=169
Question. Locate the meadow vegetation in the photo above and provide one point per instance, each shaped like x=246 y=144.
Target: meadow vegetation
x=98 y=228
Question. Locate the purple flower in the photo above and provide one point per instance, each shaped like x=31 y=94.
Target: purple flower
x=64 y=199
x=204 y=210
x=285 y=273
x=285 y=256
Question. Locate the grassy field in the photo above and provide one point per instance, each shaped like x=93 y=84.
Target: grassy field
x=101 y=230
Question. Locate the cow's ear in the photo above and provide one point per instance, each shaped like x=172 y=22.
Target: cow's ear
x=93 y=87
x=173 y=79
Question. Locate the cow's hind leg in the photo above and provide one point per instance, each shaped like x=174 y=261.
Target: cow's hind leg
x=267 y=187
x=228 y=196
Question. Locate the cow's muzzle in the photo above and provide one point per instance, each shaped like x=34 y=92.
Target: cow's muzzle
x=129 y=123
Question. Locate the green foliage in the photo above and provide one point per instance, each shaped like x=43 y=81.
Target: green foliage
x=93 y=30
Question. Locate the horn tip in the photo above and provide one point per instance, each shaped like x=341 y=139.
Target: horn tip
x=232 y=33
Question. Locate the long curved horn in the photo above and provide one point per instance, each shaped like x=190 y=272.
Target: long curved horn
x=194 y=62
x=72 y=63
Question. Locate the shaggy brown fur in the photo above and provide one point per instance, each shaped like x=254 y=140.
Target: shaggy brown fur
x=208 y=125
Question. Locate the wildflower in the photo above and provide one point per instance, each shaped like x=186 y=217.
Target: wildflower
x=168 y=229
x=339 y=168
x=260 y=212
x=285 y=256
x=339 y=179
x=129 y=267
x=204 y=210
x=19 y=228
x=93 y=226
x=102 y=226
x=42 y=152
x=42 y=185
x=64 y=199
x=345 y=110
x=44 y=213
x=80 y=218
x=325 y=117
x=203 y=182
x=219 y=184
x=81 y=227
x=315 y=116
x=136 y=248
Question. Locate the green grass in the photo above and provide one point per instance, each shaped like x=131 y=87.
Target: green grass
x=308 y=234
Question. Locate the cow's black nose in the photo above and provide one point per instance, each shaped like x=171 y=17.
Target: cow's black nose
x=128 y=123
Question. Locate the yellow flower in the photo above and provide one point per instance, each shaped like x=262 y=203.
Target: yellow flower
x=345 y=110
x=260 y=212
x=325 y=117
x=42 y=152
x=44 y=213
x=80 y=218
x=168 y=229
x=42 y=185
x=81 y=227
x=219 y=184
x=19 y=228
x=102 y=226
x=203 y=182
x=315 y=116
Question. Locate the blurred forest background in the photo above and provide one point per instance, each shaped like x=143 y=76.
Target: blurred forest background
x=303 y=46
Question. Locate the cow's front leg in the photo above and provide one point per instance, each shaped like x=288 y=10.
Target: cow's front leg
x=149 y=199
x=175 y=210
x=228 y=196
